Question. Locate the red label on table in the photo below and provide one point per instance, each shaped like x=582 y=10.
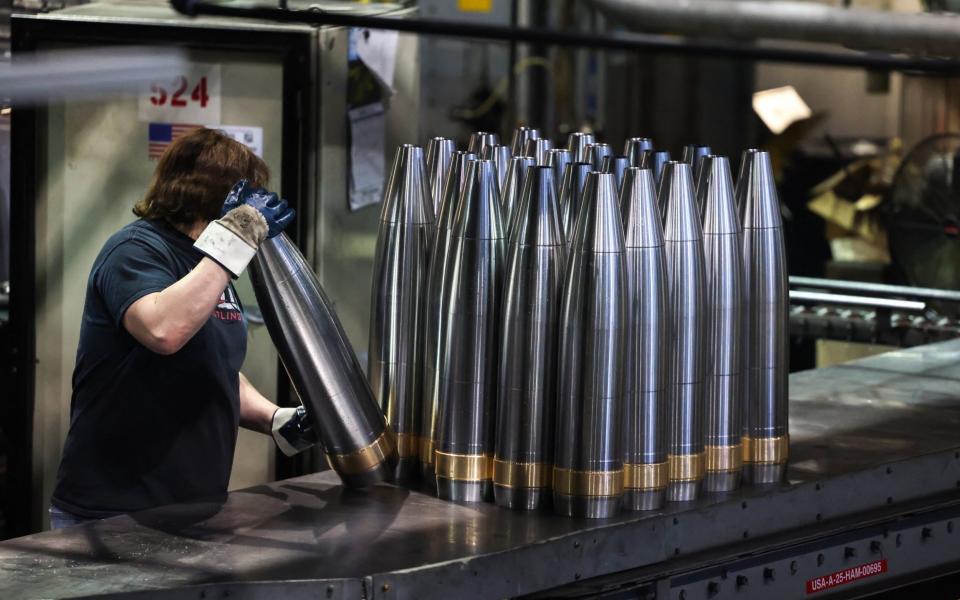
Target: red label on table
x=818 y=584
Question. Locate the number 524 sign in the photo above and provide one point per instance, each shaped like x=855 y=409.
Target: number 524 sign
x=192 y=97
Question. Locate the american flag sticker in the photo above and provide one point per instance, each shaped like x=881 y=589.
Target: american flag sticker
x=162 y=135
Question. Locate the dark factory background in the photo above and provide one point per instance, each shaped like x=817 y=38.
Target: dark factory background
x=863 y=153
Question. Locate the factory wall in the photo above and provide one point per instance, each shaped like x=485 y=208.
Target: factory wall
x=97 y=167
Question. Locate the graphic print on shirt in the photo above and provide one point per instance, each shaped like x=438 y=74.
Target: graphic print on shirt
x=228 y=308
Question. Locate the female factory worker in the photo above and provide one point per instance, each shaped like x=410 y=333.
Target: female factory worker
x=157 y=388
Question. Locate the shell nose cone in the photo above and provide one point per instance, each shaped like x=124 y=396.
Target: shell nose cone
x=694 y=153
x=599 y=227
x=537 y=221
x=616 y=165
x=478 y=216
x=720 y=211
x=743 y=174
x=577 y=144
x=761 y=209
x=452 y=188
x=407 y=197
x=512 y=186
x=520 y=137
x=633 y=148
x=676 y=195
x=596 y=153
x=439 y=153
x=571 y=195
x=480 y=140
x=638 y=207
x=654 y=160
x=558 y=159
x=500 y=155
x=538 y=150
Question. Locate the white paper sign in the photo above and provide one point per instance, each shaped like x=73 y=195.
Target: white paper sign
x=251 y=137
x=780 y=107
x=367 y=165
x=192 y=97
x=378 y=50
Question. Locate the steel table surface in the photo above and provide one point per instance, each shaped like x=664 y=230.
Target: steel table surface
x=877 y=431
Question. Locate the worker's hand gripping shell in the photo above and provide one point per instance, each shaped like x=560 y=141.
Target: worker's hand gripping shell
x=293 y=430
x=249 y=216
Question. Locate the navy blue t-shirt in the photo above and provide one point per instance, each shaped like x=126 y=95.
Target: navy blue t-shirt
x=148 y=429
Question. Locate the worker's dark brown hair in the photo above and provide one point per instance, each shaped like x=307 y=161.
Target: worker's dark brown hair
x=194 y=175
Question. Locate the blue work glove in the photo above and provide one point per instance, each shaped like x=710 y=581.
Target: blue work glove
x=273 y=208
x=247 y=218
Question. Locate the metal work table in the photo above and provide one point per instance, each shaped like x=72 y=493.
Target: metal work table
x=874 y=458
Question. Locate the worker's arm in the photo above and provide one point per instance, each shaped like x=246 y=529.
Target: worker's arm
x=256 y=412
x=165 y=321
x=290 y=427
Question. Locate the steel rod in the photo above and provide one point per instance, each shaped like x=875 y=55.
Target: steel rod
x=584 y=39
x=879 y=289
x=802 y=297
x=923 y=33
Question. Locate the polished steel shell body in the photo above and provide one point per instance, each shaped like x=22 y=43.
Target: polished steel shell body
x=469 y=342
x=588 y=470
x=634 y=147
x=528 y=359
x=577 y=143
x=520 y=137
x=596 y=153
x=646 y=392
x=433 y=323
x=321 y=364
x=513 y=187
x=439 y=152
x=766 y=300
x=723 y=396
x=686 y=276
x=479 y=140
x=500 y=155
x=571 y=195
x=397 y=304
x=558 y=159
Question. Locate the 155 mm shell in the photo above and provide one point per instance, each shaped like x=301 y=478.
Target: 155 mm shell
x=528 y=359
x=588 y=468
x=471 y=291
x=724 y=386
x=353 y=432
x=646 y=393
x=766 y=289
x=686 y=278
x=394 y=364
x=435 y=307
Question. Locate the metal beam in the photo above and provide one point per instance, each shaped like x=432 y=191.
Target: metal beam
x=608 y=40
x=918 y=33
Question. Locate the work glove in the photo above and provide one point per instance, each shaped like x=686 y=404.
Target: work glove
x=293 y=430
x=249 y=216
